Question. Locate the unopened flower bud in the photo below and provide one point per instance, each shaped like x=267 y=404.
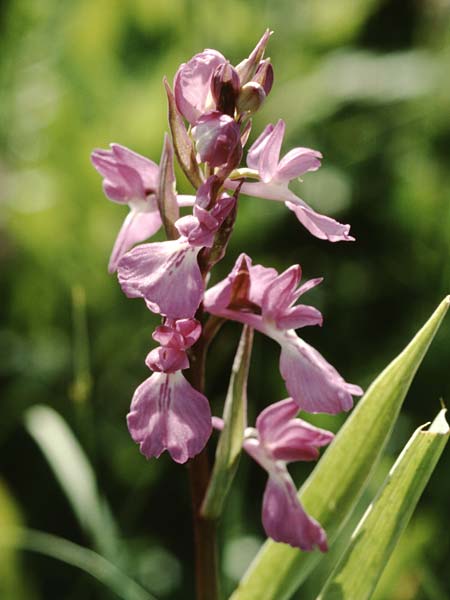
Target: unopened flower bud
x=225 y=86
x=251 y=97
x=217 y=136
x=246 y=69
x=264 y=75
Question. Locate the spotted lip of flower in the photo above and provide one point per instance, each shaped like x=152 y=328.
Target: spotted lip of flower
x=129 y=178
x=167 y=413
x=264 y=300
x=275 y=174
x=280 y=438
x=167 y=274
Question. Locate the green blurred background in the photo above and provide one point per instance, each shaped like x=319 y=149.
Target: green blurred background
x=364 y=81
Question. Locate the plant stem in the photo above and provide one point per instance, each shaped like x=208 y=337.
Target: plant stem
x=206 y=562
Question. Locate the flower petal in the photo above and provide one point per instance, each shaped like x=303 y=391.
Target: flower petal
x=167 y=413
x=285 y=520
x=302 y=315
x=287 y=438
x=280 y=292
x=312 y=382
x=297 y=162
x=270 y=155
x=147 y=169
x=255 y=150
x=166 y=274
x=321 y=226
x=137 y=227
x=192 y=84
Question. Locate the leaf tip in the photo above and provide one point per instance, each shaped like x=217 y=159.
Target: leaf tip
x=440 y=425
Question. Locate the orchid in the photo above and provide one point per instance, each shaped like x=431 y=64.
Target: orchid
x=259 y=297
x=210 y=118
x=277 y=439
x=263 y=159
x=166 y=412
x=167 y=274
x=132 y=179
x=197 y=82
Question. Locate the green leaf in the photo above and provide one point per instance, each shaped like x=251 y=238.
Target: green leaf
x=182 y=142
x=334 y=487
x=167 y=198
x=75 y=475
x=377 y=533
x=235 y=421
x=77 y=556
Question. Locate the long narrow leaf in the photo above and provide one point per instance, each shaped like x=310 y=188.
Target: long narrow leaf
x=78 y=556
x=377 y=533
x=235 y=421
x=74 y=473
x=334 y=487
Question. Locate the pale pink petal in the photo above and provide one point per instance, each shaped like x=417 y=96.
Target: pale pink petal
x=167 y=360
x=147 y=169
x=312 y=382
x=167 y=413
x=137 y=227
x=321 y=226
x=285 y=520
x=302 y=315
x=166 y=274
x=270 y=155
x=260 y=278
x=274 y=417
x=168 y=337
x=192 y=84
x=280 y=293
x=190 y=329
x=308 y=285
x=297 y=162
x=179 y=334
x=287 y=438
x=255 y=150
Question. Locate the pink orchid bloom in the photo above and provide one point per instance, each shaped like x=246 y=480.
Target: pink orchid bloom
x=275 y=174
x=196 y=87
x=167 y=274
x=259 y=297
x=278 y=439
x=132 y=179
x=167 y=413
x=192 y=84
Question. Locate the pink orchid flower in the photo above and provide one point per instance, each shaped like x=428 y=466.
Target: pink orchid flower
x=259 y=297
x=278 y=439
x=132 y=179
x=275 y=175
x=192 y=84
x=166 y=412
x=196 y=91
x=167 y=274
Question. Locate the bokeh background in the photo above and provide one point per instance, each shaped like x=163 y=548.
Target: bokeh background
x=364 y=81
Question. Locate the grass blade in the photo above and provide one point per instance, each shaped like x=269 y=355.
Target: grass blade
x=278 y=570
x=376 y=535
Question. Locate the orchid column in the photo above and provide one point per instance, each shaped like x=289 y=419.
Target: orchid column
x=210 y=117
